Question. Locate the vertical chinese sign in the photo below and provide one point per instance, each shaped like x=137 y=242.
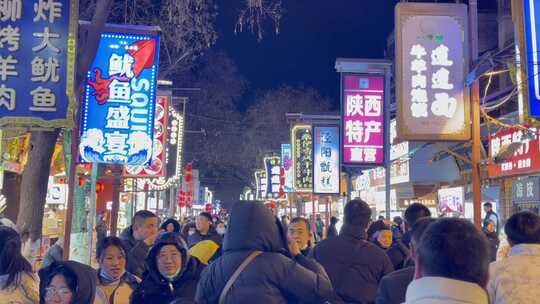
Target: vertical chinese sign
x=272 y=166
x=363 y=119
x=158 y=165
x=37 y=58
x=531 y=10
x=118 y=117
x=326 y=176
x=302 y=146
x=287 y=165
x=431 y=66
x=261 y=184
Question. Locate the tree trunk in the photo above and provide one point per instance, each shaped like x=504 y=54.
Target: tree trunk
x=12 y=192
x=34 y=183
x=34 y=189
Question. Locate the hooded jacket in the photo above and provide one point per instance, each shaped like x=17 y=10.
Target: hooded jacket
x=354 y=265
x=136 y=251
x=155 y=288
x=86 y=280
x=272 y=277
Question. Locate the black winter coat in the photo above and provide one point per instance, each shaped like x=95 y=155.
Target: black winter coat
x=156 y=289
x=393 y=287
x=355 y=266
x=136 y=251
x=272 y=277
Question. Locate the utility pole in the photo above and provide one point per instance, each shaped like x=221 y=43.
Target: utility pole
x=475 y=95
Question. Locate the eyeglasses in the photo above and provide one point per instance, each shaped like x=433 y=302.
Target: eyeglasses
x=62 y=292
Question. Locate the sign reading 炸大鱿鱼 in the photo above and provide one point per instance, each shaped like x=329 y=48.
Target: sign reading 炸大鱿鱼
x=37 y=57
x=363 y=119
x=118 y=115
x=431 y=66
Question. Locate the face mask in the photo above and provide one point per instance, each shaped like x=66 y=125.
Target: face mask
x=220 y=230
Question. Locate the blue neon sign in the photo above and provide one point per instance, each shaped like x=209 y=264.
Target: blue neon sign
x=120 y=96
x=532 y=40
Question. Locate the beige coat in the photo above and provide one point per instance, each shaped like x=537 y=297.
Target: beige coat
x=26 y=291
x=516 y=279
x=438 y=290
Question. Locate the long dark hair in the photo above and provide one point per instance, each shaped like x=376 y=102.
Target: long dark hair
x=12 y=263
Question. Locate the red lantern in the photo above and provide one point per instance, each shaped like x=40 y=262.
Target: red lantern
x=99 y=187
x=81 y=181
x=189 y=172
x=181 y=199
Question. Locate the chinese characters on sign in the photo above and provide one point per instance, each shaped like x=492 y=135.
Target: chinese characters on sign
x=302 y=143
x=532 y=49
x=526 y=190
x=37 y=53
x=118 y=118
x=363 y=119
x=433 y=103
x=525 y=159
x=452 y=200
x=326 y=175
x=273 y=174
x=157 y=166
x=286 y=164
x=262 y=184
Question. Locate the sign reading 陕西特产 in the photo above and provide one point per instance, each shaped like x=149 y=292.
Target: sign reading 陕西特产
x=363 y=119
x=118 y=115
x=37 y=58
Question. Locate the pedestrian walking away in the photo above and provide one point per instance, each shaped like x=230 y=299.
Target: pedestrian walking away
x=279 y=274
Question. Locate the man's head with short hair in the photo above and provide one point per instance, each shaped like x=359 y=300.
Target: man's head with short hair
x=145 y=224
x=417 y=232
x=203 y=222
x=488 y=207
x=299 y=230
x=456 y=249
x=357 y=213
x=414 y=212
x=523 y=228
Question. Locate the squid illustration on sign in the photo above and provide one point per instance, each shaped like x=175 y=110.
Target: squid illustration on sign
x=141 y=56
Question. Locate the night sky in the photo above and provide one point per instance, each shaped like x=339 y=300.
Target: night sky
x=313 y=34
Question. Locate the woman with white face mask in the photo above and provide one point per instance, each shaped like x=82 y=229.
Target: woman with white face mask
x=115 y=285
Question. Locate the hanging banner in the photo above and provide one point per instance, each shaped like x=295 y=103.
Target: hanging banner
x=431 y=67
x=524 y=159
x=326 y=163
x=119 y=104
x=272 y=167
x=157 y=166
x=531 y=14
x=287 y=165
x=37 y=58
x=302 y=145
x=363 y=120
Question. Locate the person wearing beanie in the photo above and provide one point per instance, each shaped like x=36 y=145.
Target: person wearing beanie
x=172 y=273
x=354 y=265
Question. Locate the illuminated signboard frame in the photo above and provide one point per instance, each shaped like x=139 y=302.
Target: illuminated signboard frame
x=332 y=163
x=118 y=114
x=38 y=82
x=286 y=164
x=442 y=109
x=307 y=171
x=362 y=85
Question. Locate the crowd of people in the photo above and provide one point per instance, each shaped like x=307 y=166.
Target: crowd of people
x=254 y=257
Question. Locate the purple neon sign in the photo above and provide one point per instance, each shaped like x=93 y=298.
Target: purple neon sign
x=363 y=119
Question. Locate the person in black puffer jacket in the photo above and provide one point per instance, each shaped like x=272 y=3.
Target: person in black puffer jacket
x=172 y=274
x=274 y=277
